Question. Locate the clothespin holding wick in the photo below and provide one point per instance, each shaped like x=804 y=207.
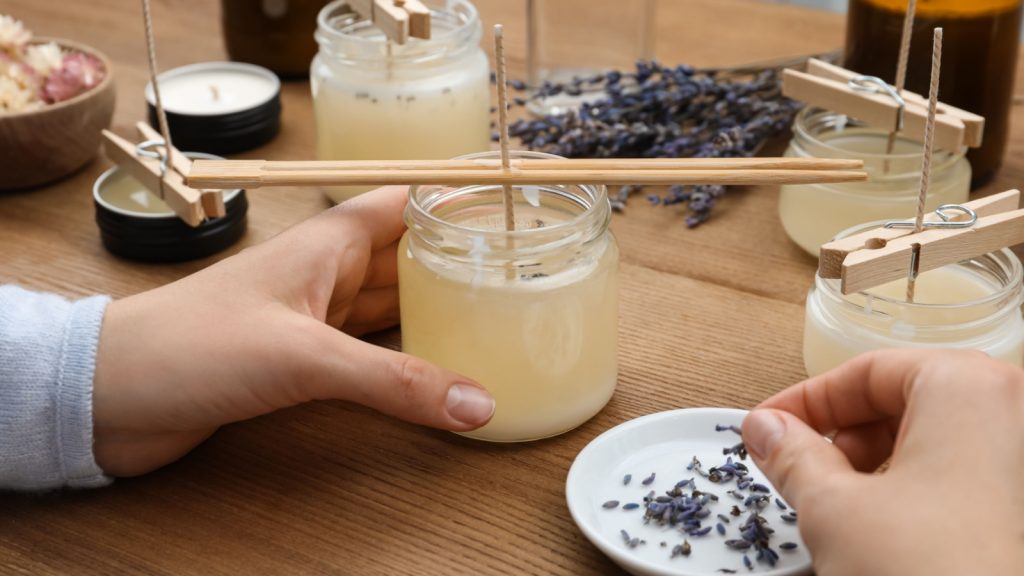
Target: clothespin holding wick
x=953 y=233
x=956 y=232
x=398 y=19
x=147 y=163
x=875 y=102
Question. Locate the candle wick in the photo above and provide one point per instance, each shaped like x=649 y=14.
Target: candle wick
x=215 y=92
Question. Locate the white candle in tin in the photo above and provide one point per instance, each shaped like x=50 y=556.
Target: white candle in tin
x=214 y=88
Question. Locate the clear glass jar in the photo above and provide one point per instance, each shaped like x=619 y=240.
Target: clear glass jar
x=813 y=213
x=377 y=100
x=531 y=314
x=596 y=42
x=975 y=304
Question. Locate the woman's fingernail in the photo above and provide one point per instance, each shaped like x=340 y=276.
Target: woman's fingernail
x=469 y=404
x=762 y=431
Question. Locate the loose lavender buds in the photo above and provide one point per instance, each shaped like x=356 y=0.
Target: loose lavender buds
x=685 y=509
x=658 y=111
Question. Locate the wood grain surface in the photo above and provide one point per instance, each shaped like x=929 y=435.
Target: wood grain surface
x=709 y=317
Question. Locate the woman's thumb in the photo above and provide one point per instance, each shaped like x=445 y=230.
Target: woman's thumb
x=405 y=387
x=792 y=455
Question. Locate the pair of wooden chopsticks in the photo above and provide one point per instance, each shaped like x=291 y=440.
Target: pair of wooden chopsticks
x=224 y=174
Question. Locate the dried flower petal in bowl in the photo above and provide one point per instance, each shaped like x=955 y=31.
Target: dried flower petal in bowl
x=56 y=96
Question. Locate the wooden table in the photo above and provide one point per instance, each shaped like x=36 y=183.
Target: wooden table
x=709 y=317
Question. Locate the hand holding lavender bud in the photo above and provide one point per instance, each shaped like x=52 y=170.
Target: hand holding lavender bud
x=950 y=424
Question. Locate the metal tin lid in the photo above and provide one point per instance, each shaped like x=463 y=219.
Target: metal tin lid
x=219 y=107
x=136 y=224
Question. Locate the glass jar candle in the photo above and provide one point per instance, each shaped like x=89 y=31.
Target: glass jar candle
x=973 y=304
x=377 y=100
x=813 y=213
x=531 y=314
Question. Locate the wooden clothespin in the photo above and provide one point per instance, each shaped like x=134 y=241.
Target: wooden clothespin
x=867 y=99
x=212 y=200
x=186 y=202
x=398 y=19
x=952 y=234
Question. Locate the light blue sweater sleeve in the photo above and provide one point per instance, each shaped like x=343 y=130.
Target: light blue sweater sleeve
x=47 y=359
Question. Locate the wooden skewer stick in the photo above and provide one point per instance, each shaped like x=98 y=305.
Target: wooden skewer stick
x=901 y=69
x=499 y=66
x=926 y=164
x=160 y=113
x=228 y=174
x=766 y=163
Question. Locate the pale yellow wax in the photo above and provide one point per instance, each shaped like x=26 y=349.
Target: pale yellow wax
x=124 y=192
x=834 y=334
x=544 y=347
x=813 y=213
x=376 y=118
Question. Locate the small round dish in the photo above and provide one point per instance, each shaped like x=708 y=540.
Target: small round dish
x=218 y=107
x=664 y=444
x=135 y=224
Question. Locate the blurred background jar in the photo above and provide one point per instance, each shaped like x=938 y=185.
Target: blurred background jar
x=275 y=34
x=813 y=213
x=597 y=41
x=377 y=100
x=978 y=59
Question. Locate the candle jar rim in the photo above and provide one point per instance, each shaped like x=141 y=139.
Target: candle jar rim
x=811 y=122
x=422 y=198
x=455 y=28
x=1002 y=265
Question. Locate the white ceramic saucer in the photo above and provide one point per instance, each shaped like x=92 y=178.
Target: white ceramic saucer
x=664 y=443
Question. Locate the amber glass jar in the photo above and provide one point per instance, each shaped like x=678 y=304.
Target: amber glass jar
x=276 y=34
x=979 y=57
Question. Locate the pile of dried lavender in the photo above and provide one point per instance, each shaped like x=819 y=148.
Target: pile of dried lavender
x=662 y=112
x=686 y=509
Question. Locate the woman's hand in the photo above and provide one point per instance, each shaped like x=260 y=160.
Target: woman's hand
x=952 y=498
x=258 y=332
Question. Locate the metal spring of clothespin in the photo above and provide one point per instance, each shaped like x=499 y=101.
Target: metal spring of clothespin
x=945 y=222
x=147 y=149
x=875 y=85
x=952 y=233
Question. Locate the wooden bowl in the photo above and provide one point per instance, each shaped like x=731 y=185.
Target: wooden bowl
x=47 y=144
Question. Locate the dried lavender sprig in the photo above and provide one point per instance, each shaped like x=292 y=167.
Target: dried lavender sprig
x=658 y=111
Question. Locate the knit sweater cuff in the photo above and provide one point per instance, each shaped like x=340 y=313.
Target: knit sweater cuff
x=47 y=363
x=74 y=394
